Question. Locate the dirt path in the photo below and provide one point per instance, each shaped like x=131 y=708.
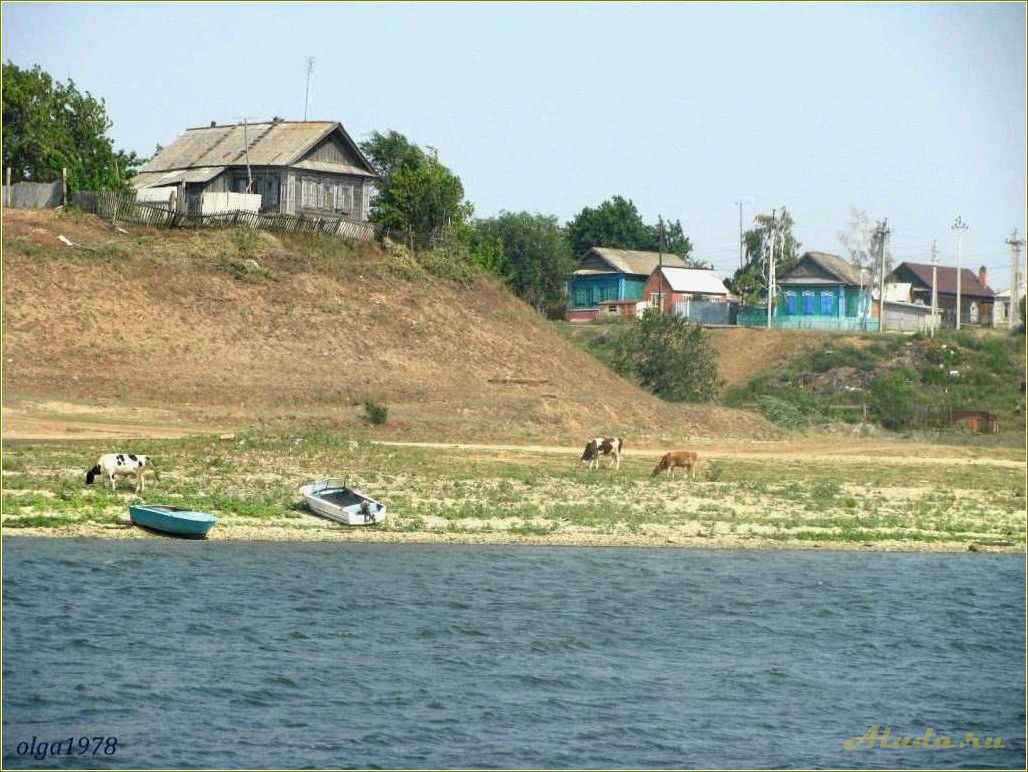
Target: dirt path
x=852 y=452
x=58 y=420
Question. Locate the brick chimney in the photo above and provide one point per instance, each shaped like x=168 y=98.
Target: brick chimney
x=983 y=277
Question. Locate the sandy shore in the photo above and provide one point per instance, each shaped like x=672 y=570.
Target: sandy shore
x=311 y=530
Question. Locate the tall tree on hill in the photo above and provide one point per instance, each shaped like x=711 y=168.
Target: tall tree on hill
x=528 y=251
x=617 y=223
x=750 y=281
x=49 y=125
x=861 y=243
x=418 y=196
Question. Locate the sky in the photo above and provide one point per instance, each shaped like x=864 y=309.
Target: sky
x=911 y=112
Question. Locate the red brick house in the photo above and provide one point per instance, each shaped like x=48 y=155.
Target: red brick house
x=669 y=287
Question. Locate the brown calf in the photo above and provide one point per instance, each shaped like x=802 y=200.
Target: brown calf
x=677 y=458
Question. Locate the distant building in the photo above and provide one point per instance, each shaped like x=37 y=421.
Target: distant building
x=297 y=167
x=977 y=299
x=606 y=274
x=1001 y=307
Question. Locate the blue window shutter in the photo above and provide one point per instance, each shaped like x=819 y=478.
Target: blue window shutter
x=826 y=303
x=790 y=303
x=808 y=302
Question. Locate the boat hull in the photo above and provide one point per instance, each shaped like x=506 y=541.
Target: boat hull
x=172 y=520
x=336 y=501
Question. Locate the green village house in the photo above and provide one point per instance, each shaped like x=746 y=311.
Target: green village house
x=824 y=292
x=612 y=281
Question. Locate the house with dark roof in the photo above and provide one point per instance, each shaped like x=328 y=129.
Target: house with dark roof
x=824 y=291
x=976 y=297
x=297 y=167
x=605 y=274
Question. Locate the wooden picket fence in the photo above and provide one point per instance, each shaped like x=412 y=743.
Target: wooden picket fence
x=122 y=207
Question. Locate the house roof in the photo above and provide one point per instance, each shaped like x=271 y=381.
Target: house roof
x=701 y=280
x=175 y=176
x=278 y=143
x=833 y=265
x=636 y=262
x=946 y=279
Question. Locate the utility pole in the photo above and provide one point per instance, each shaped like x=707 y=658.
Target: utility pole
x=935 y=284
x=660 y=263
x=1015 y=278
x=773 y=235
x=959 y=226
x=307 y=91
x=742 y=244
x=882 y=232
x=246 y=157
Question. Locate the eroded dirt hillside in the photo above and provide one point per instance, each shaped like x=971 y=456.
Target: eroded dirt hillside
x=245 y=325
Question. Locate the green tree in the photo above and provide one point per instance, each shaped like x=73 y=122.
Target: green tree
x=669 y=356
x=750 y=281
x=49 y=125
x=418 y=196
x=534 y=257
x=617 y=223
x=388 y=152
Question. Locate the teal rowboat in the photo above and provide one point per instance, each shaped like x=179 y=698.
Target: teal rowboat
x=172 y=520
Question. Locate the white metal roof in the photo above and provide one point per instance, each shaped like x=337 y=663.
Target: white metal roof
x=700 y=280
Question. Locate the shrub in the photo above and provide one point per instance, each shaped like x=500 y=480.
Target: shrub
x=375 y=414
x=781 y=412
x=450 y=260
x=893 y=399
x=669 y=356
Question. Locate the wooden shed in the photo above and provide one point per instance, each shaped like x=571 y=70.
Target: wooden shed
x=297 y=167
x=976 y=420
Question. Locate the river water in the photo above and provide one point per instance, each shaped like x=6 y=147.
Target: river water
x=291 y=655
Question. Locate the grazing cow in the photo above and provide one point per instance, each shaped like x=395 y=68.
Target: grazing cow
x=607 y=446
x=111 y=465
x=677 y=458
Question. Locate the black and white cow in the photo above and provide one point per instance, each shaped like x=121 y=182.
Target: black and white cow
x=111 y=465
x=605 y=446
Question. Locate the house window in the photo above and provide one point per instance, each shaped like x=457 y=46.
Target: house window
x=790 y=303
x=269 y=191
x=654 y=299
x=369 y=193
x=826 y=303
x=343 y=197
x=808 y=302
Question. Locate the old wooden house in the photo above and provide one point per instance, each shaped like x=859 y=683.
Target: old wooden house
x=976 y=297
x=297 y=167
x=606 y=274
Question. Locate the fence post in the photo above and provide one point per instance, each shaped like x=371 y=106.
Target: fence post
x=9 y=192
x=64 y=187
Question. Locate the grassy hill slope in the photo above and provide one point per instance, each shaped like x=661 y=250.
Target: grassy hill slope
x=250 y=325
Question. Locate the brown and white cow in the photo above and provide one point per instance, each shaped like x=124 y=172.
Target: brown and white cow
x=606 y=446
x=686 y=459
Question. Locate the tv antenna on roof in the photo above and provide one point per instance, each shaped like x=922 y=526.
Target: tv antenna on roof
x=307 y=92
